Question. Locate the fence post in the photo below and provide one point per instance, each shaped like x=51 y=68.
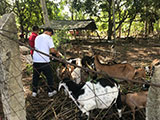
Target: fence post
x=153 y=100
x=11 y=87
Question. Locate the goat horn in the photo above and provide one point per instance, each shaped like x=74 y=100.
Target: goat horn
x=60 y=85
x=89 y=66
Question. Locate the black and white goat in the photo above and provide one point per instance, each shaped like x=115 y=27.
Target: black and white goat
x=101 y=94
x=76 y=73
x=88 y=63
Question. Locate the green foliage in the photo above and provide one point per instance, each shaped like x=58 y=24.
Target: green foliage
x=29 y=69
x=29 y=13
x=61 y=37
x=53 y=11
x=157 y=26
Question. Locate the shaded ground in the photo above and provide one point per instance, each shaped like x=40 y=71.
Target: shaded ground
x=135 y=51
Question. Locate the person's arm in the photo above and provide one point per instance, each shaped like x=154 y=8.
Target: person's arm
x=53 y=51
x=32 y=40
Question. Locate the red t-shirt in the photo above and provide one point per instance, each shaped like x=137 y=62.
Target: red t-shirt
x=32 y=38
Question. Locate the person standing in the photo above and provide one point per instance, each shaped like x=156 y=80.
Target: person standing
x=41 y=62
x=32 y=37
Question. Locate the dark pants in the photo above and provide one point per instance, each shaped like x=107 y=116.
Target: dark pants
x=44 y=68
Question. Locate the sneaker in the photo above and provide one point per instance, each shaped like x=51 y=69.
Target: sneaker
x=34 y=94
x=50 y=94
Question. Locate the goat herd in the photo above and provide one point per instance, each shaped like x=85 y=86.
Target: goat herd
x=90 y=90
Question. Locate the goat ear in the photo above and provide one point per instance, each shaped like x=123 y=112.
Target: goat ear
x=158 y=63
x=89 y=66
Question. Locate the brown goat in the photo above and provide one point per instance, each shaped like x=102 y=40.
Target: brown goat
x=121 y=71
x=140 y=74
x=135 y=100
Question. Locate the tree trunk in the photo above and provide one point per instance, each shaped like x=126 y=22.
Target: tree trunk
x=11 y=86
x=146 y=21
x=114 y=24
x=45 y=14
x=153 y=100
x=19 y=14
x=151 y=27
x=131 y=21
x=110 y=25
x=120 y=31
x=146 y=28
x=72 y=14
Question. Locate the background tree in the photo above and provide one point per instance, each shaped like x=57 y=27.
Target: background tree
x=29 y=13
x=149 y=14
x=126 y=11
x=131 y=16
x=45 y=13
x=4 y=7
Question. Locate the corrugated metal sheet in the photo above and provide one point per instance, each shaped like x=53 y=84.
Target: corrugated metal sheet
x=73 y=25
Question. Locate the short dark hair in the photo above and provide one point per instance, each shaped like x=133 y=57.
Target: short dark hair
x=35 y=28
x=49 y=30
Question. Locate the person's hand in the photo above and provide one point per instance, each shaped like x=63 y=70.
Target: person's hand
x=54 y=55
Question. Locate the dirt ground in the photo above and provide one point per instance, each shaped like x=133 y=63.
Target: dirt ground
x=138 y=52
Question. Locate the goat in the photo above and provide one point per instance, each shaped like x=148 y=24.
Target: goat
x=105 y=60
x=76 y=74
x=87 y=60
x=88 y=63
x=71 y=71
x=135 y=100
x=121 y=71
x=91 y=95
x=66 y=70
x=149 y=69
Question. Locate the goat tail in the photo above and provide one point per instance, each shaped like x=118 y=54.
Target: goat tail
x=118 y=86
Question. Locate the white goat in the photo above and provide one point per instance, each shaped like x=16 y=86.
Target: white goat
x=91 y=95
